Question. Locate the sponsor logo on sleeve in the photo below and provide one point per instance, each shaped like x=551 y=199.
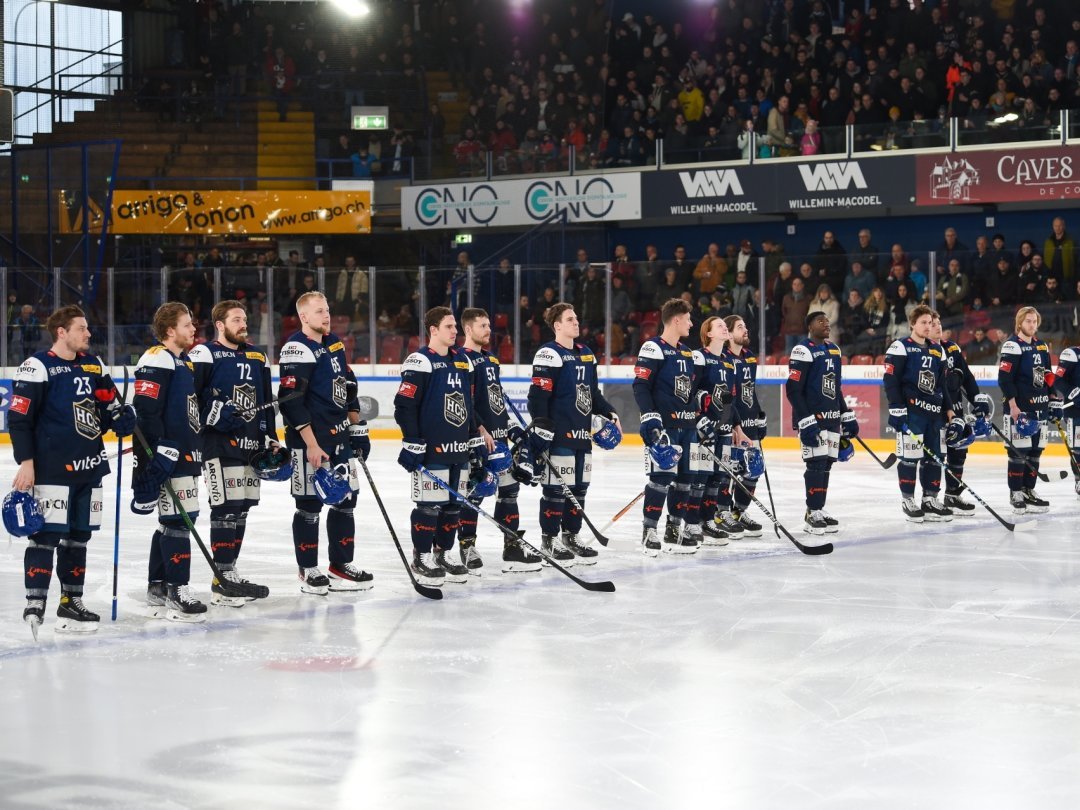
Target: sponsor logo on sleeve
x=544 y=383
x=889 y=369
x=288 y=382
x=147 y=388
x=642 y=373
x=407 y=389
x=20 y=404
x=1006 y=366
x=794 y=374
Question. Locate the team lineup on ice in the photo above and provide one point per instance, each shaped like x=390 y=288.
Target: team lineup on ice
x=209 y=411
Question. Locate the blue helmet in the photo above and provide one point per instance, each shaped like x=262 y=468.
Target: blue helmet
x=332 y=485
x=665 y=454
x=484 y=485
x=498 y=460
x=1026 y=425
x=606 y=433
x=272 y=465
x=958 y=434
x=980 y=426
x=22 y=515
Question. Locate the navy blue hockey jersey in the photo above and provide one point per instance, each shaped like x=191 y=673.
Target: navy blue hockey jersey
x=167 y=406
x=242 y=376
x=664 y=382
x=434 y=403
x=491 y=410
x=746 y=399
x=1024 y=374
x=1068 y=373
x=566 y=389
x=958 y=379
x=321 y=370
x=813 y=385
x=915 y=377
x=715 y=375
x=57 y=414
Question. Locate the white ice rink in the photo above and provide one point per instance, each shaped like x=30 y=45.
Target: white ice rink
x=933 y=666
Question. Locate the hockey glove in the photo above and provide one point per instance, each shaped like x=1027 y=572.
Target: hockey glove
x=706 y=430
x=523 y=470
x=540 y=435
x=1057 y=410
x=809 y=431
x=222 y=416
x=958 y=434
x=756 y=429
x=359 y=440
x=898 y=419
x=983 y=406
x=123 y=418
x=515 y=434
x=150 y=477
x=412 y=454
x=846 y=452
x=651 y=427
x=849 y=425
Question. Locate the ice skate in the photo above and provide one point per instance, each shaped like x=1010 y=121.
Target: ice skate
x=349 y=577
x=73 y=617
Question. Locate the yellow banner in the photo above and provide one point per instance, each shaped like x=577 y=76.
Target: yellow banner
x=259 y=213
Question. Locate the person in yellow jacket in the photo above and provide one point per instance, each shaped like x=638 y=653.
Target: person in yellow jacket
x=692 y=101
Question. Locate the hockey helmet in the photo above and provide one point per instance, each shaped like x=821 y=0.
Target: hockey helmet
x=664 y=453
x=22 y=515
x=958 y=434
x=981 y=427
x=498 y=460
x=606 y=433
x=847 y=449
x=1026 y=425
x=272 y=464
x=484 y=485
x=332 y=484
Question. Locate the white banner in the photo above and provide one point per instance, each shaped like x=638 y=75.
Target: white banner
x=495 y=203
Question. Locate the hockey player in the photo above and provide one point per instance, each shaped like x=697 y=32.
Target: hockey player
x=434 y=409
x=1025 y=380
x=62 y=401
x=323 y=430
x=564 y=394
x=919 y=408
x=961 y=383
x=169 y=418
x=1066 y=407
x=664 y=388
x=232 y=381
x=715 y=383
x=491 y=411
x=749 y=414
x=820 y=414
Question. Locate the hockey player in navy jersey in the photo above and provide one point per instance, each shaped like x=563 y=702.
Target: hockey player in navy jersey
x=564 y=394
x=714 y=385
x=749 y=415
x=820 y=414
x=62 y=401
x=665 y=392
x=920 y=407
x=169 y=418
x=961 y=384
x=1066 y=406
x=435 y=410
x=1026 y=380
x=493 y=416
x=324 y=431
x=232 y=381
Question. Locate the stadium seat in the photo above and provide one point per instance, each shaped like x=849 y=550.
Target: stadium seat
x=879 y=360
x=506 y=351
x=350 y=344
x=652 y=316
x=769 y=360
x=502 y=321
x=362 y=358
x=290 y=324
x=339 y=325
x=648 y=330
x=390 y=348
x=845 y=360
x=862 y=360
x=783 y=360
x=995 y=334
x=414 y=345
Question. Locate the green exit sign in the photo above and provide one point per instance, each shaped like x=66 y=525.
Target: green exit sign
x=369 y=122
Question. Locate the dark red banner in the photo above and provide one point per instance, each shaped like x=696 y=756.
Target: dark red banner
x=1000 y=176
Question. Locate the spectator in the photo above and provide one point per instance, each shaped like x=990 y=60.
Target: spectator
x=649 y=275
x=977 y=317
x=742 y=295
x=281 y=73
x=859 y=279
x=745 y=140
x=809 y=278
x=866 y=254
x=1059 y=250
x=710 y=271
x=745 y=259
x=952 y=248
x=671 y=288
x=778 y=288
x=362 y=163
x=878 y=320
x=27 y=327
x=918 y=280
x=980 y=349
x=825 y=301
x=683 y=269
x=795 y=306
x=774 y=257
x=1003 y=288
x=622 y=266
x=352 y=284
x=831 y=261
x=779 y=127
x=853 y=322
x=589 y=303
x=982 y=265
x=953 y=290
x=901 y=305
x=810 y=142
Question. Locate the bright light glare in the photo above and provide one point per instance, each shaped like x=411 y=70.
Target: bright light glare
x=353 y=8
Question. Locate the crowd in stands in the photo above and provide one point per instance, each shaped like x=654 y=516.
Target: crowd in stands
x=554 y=78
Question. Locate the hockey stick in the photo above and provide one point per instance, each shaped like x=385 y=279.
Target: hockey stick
x=228 y=588
x=423 y=590
x=768 y=488
x=1012 y=527
x=623 y=511
x=1016 y=452
x=889 y=461
x=606 y=586
x=1068 y=447
x=116 y=523
x=562 y=483
x=824 y=548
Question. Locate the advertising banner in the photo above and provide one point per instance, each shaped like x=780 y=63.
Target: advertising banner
x=999 y=176
x=260 y=213
x=705 y=192
x=496 y=203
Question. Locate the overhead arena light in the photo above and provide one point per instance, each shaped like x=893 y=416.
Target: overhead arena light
x=353 y=8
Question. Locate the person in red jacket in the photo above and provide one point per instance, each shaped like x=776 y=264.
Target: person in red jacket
x=281 y=73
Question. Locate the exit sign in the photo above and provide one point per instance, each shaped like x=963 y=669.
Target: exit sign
x=370 y=117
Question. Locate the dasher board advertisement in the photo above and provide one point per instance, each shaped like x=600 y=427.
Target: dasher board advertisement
x=1046 y=174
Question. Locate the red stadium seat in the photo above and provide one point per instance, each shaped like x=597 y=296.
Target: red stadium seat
x=769 y=360
x=652 y=316
x=862 y=360
x=506 y=350
x=362 y=358
x=390 y=349
x=879 y=360
x=996 y=335
x=350 y=344
x=783 y=360
x=648 y=330
x=339 y=325
x=502 y=321
x=414 y=345
x=290 y=324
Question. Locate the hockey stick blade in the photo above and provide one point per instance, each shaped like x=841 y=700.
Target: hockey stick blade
x=889 y=461
x=604 y=587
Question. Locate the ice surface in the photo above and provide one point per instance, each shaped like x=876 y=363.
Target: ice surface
x=932 y=666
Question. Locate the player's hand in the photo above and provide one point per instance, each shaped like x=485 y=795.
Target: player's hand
x=898 y=419
x=24 y=477
x=489 y=442
x=706 y=430
x=809 y=431
x=651 y=427
x=124 y=419
x=412 y=454
x=359 y=440
x=849 y=425
x=982 y=405
x=315 y=456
